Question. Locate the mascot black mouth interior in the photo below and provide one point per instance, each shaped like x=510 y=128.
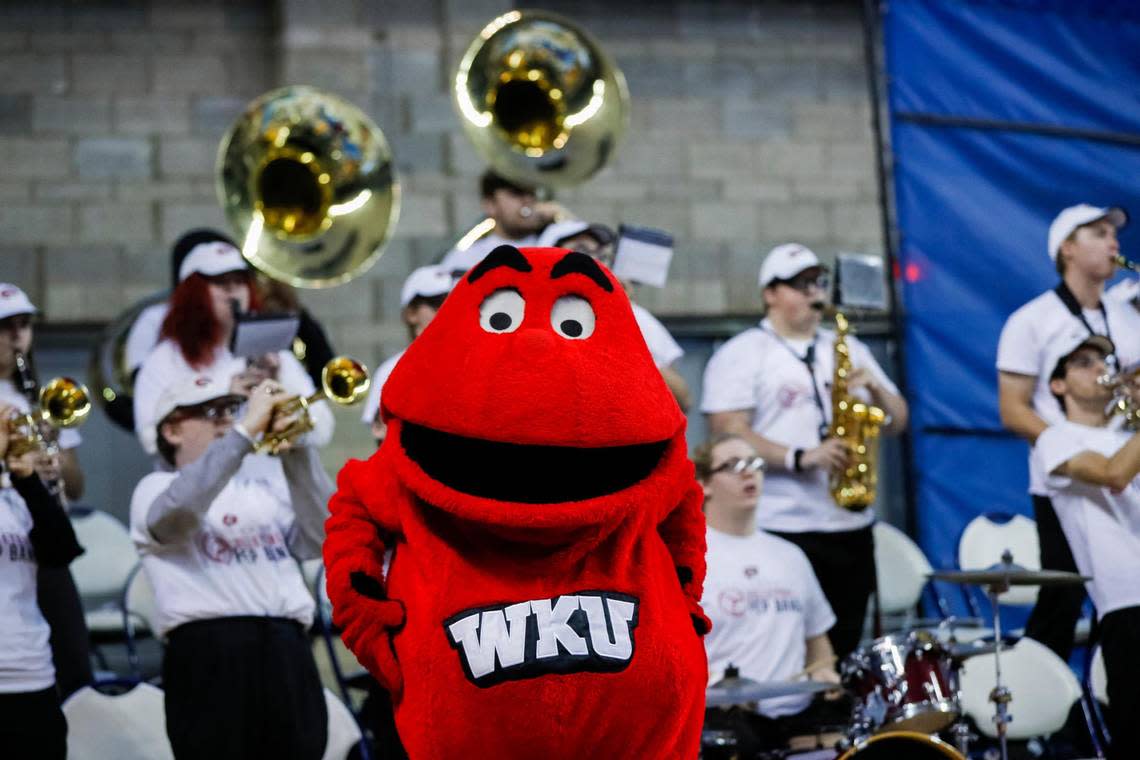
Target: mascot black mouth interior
x=544 y=527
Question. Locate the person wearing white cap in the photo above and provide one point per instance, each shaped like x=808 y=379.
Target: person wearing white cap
x=420 y=298
x=214 y=280
x=518 y=216
x=1092 y=475
x=1081 y=243
x=770 y=385
x=597 y=241
x=36 y=535
x=220 y=548
x=58 y=595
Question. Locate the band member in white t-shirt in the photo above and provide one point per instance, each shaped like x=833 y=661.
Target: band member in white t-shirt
x=219 y=544
x=598 y=240
x=771 y=385
x=769 y=616
x=1082 y=243
x=34 y=532
x=59 y=467
x=420 y=298
x=1091 y=474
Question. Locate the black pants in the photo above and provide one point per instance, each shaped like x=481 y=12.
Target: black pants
x=1055 y=615
x=844 y=563
x=32 y=726
x=1119 y=636
x=243 y=687
x=59 y=602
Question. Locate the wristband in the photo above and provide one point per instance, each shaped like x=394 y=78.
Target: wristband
x=799 y=467
x=790 y=459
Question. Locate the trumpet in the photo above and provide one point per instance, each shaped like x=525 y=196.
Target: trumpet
x=344 y=381
x=61 y=403
x=1121 y=383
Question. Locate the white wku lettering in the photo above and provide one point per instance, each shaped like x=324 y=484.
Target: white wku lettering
x=589 y=631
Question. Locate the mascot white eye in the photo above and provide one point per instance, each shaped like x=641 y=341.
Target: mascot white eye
x=572 y=317
x=502 y=311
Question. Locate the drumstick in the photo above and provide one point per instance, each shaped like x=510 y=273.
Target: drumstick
x=812 y=667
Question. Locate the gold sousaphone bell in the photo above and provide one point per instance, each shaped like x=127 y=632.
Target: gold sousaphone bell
x=540 y=100
x=307 y=182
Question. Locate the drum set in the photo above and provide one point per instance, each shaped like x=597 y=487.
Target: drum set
x=905 y=686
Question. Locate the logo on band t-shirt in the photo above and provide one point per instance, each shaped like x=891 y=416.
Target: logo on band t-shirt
x=15 y=547
x=587 y=631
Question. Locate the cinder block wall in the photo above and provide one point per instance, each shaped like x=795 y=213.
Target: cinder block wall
x=750 y=127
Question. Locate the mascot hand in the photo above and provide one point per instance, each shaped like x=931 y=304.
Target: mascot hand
x=367 y=619
x=701 y=622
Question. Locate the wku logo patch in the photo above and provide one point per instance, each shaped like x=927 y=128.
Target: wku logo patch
x=587 y=631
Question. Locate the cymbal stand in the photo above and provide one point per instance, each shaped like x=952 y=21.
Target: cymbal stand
x=1000 y=695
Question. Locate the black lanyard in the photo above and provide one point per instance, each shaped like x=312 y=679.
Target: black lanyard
x=1074 y=307
x=808 y=360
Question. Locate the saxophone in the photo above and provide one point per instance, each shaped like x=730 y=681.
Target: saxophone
x=857 y=424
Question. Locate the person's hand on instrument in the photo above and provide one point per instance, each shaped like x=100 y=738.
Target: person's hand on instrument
x=831 y=455
x=259 y=411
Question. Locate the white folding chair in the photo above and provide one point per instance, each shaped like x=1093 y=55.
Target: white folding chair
x=137 y=610
x=344 y=734
x=902 y=571
x=1098 y=677
x=1043 y=690
x=985 y=540
x=130 y=726
x=101 y=571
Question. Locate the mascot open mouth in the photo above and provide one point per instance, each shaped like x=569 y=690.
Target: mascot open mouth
x=527 y=474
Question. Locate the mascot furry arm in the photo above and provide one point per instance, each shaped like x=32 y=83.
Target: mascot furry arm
x=544 y=528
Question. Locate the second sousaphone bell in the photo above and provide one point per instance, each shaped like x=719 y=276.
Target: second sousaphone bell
x=540 y=100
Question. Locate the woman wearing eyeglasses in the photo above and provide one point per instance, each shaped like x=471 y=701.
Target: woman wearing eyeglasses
x=770 y=617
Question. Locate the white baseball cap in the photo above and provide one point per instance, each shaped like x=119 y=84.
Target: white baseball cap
x=426 y=282
x=1078 y=216
x=786 y=261
x=196 y=390
x=212 y=258
x=555 y=233
x=14 y=301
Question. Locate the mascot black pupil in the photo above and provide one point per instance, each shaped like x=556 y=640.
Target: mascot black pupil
x=572 y=328
x=500 y=321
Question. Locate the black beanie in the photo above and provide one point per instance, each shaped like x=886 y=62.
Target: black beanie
x=187 y=243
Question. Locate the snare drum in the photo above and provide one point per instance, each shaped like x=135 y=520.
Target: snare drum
x=902 y=681
x=902 y=745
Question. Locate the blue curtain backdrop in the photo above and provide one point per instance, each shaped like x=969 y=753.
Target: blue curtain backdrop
x=1001 y=114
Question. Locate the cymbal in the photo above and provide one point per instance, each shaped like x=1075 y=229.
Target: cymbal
x=1008 y=574
x=746 y=691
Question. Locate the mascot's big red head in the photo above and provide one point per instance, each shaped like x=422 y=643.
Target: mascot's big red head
x=532 y=400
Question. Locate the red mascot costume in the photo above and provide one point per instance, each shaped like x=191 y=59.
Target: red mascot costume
x=544 y=528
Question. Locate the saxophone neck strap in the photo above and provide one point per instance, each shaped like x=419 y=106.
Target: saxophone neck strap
x=808 y=360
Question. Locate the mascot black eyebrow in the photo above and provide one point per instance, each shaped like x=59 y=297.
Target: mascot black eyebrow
x=545 y=528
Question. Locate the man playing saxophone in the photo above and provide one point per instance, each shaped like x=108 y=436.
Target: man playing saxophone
x=771 y=385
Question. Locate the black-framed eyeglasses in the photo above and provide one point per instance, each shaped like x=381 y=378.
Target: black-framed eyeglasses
x=739 y=466
x=215 y=411
x=805 y=282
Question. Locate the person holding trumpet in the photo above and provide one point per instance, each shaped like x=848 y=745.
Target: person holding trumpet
x=220 y=545
x=34 y=532
x=58 y=466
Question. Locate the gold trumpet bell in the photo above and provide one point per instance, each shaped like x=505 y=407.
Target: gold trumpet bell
x=64 y=402
x=307 y=182
x=540 y=100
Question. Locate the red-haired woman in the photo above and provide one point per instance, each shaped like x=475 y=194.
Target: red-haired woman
x=213 y=281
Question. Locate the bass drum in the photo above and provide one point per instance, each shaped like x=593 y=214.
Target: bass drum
x=901 y=745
